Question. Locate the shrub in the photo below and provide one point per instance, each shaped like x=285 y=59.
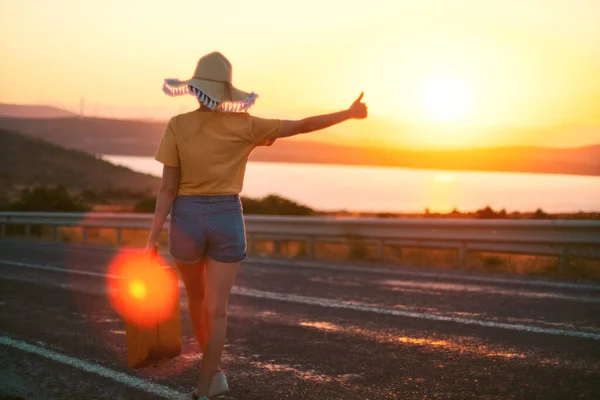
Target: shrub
x=270 y=205
x=48 y=199
x=147 y=205
x=274 y=205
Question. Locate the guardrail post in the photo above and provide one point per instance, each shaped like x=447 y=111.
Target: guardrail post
x=277 y=247
x=563 y=261
x=249 y=245
x=310 y=248
x=380 y=246
x=118 y=237
x=462 y=255
x=27 y=231
x=54 y=233
x=84 y=235
x=396 y=252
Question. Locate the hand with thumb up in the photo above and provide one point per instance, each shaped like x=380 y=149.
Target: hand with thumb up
x=358 y=109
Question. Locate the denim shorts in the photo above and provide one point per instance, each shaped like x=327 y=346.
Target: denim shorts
x=210 y=226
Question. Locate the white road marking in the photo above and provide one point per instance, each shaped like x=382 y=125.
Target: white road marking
x=423 y=285
x=400 y=285
x=316 y=301
x=355 y=306
x=120 y=377
x=522 y=281
x=56 y=269
x=53 y=248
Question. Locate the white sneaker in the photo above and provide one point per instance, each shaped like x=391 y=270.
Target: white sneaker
x=217 y=386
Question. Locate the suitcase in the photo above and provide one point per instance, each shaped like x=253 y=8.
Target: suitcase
x=147 y=298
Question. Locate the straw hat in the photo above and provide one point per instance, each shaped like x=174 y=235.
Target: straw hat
x=211 y=85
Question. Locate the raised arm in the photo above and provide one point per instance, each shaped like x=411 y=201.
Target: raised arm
x=358 y=110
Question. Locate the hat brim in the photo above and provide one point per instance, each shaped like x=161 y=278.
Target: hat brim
x=215 y=95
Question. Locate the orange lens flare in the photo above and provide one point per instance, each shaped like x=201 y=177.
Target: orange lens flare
x=142 y=289
x=137 y=289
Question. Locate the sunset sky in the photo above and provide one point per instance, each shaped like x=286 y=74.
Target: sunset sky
x=434 y=72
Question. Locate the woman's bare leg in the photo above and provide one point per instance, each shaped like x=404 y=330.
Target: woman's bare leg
x=219 y=281
x=194 y=279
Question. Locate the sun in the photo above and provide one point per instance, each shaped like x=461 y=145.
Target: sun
x=445 y=97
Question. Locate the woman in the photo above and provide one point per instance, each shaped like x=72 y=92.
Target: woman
x=204 y=154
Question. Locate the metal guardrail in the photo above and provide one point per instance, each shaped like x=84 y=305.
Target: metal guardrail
x=562 y=238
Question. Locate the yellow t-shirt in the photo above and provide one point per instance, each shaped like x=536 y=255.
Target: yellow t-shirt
x=212 y=148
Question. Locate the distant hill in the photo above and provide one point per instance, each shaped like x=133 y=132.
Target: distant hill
x=128 y=137
x=92 y=135
x=33 y=111
x=29 y=162
x=578 y=161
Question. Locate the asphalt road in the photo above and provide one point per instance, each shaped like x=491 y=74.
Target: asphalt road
x=298 y=332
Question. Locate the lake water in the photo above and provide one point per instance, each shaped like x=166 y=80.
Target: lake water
x=385 y=189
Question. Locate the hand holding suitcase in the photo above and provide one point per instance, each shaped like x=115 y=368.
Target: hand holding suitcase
x=144 y=291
